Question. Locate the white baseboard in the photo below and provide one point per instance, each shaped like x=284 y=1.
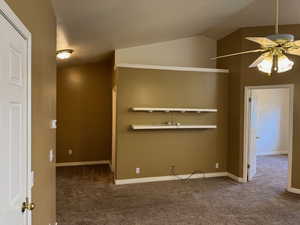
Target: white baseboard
x=236 y=178
x=273 y=153
x=293 y=190
x=168 y=178
x=87 y=163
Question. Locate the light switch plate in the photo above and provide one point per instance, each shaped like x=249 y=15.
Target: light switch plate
x=51 y=155
x=53 y=124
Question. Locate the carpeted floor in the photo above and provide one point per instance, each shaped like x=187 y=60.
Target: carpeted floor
x=85 y=196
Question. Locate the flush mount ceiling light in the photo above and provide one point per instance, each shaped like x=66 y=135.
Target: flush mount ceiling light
x=64 y=54
x=274 y=48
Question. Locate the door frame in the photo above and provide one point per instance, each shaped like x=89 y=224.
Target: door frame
x=11 y=17
x=247 y=110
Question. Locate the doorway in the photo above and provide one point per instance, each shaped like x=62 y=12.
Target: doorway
x=268 y=128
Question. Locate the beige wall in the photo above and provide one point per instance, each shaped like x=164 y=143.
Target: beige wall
x=194 y=52
x=242 y=76
x=38 y=17
x=155 y=151
x=84 y=111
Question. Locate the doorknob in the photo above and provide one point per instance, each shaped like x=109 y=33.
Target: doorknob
x=27 y=206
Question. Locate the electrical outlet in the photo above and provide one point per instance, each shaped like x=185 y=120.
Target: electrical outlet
x=70 y=152
x=137 y=170
x=51 y=155
x=217 y=165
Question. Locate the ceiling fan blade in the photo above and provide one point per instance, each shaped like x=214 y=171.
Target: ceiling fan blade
x=263 y=41
x=239 y=53
x=258 y=60
x=295 y=44
x=294 y=51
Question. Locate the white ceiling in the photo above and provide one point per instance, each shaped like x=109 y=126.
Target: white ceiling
x=94 y=28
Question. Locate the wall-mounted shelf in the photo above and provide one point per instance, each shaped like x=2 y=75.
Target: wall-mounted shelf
x=173 y=68
x=197 y=110
x=171 y=127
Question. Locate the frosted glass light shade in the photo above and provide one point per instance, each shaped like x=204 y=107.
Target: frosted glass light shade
x=266 y=65
x=283 y=65
x=64 y=54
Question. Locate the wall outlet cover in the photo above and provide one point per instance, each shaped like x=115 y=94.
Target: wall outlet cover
x=217 y=165
x=70 y=151
x=137 y=170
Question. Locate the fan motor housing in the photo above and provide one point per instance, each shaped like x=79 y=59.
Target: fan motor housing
x=281 y=37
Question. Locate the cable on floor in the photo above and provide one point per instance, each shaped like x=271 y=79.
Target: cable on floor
x=186 y=179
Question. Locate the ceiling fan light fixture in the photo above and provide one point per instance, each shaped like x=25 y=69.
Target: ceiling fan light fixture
x=275 y=47
x=266 y=65
x=284 y=64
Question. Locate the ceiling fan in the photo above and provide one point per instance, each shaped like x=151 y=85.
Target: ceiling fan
x=274 y=49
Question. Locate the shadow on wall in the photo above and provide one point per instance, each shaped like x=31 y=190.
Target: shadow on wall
x=84 y=112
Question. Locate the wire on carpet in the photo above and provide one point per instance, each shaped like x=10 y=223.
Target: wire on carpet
x=186 y=179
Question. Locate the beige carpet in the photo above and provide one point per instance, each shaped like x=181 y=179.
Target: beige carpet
x=85 y=196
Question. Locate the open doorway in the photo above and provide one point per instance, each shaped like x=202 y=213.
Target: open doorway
x=268 y=132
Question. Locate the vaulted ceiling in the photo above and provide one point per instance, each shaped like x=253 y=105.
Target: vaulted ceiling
x=94 y=28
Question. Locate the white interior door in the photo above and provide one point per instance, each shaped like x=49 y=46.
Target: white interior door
x=253 y=137
x=13 y=125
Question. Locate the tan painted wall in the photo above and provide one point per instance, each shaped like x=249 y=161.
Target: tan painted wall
x=243 y=76
x=38 y=16
x=155 y=151
x=194 y=51
x=84 y=112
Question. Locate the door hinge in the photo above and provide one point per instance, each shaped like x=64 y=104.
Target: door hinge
x=250 y=99
x=32 y=179
x=248 y=166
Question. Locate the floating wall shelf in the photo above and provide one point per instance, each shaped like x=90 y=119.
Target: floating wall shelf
x=171 y=127
x=173 y=68
x=197 y=110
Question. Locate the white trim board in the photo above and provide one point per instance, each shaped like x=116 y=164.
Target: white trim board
x=273 y=153
x=293 y=190
x=169 y=178
x=174 y=68
x=87 y=163
x=236 y=178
